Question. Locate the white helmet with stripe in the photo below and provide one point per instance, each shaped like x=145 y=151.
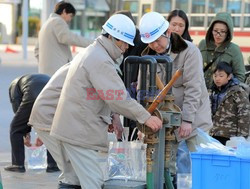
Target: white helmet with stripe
x=121 y=27
x=152 y=26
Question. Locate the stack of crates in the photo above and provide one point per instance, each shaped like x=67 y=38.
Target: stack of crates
x=213 y=171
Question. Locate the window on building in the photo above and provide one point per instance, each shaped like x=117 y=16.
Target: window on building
x=75 y=24
x=163 y=6
x=247 y=22
x=215 y=6
x=35 y=7
x=236 y=21
x=198 y=6
x=234 y=6
x=93 y=25
x=146 y=8
x=132 y=6
x=247 y=6
x=182 y=4
x=197 y=21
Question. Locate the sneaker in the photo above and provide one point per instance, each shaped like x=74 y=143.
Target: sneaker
x=15 y=168
x=51 y=169
x=68 y=186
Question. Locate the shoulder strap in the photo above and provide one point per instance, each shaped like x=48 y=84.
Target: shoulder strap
x=211 y=63
x=214 y=59
x=208 y=66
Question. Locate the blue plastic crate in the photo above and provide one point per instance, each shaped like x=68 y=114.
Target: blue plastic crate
x=212 y=171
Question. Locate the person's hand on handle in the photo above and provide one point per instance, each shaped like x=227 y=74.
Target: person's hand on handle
x=185 y=129
x=118 y=128
x=154 y=123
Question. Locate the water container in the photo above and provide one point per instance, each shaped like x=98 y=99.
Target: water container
x=37 y=157
x=184 y=181
x=215 y=171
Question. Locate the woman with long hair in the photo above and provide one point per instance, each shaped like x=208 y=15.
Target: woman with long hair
x=178 y=23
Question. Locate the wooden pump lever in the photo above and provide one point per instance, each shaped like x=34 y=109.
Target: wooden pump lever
x=164 y=91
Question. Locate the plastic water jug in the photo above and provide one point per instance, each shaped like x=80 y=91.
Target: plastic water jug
x=37 y=157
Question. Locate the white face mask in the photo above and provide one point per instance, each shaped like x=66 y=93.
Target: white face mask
x=118 y=62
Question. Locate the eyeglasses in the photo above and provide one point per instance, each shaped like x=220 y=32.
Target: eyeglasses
x=220 y=33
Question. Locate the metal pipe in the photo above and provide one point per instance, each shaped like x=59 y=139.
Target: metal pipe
x=143 y=84
x=127 y=78
x=167 y=60
x=152 y=76
x=155 y=176
x=169 y=74
x=161 y=59
x=152 y=69
x=152 y=177
x=168 y=181
x=150 y=180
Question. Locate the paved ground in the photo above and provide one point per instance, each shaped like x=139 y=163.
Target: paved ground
x=12 y=65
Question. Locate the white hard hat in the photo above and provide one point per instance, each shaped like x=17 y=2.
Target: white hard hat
x=152 y=26
x=121 y=27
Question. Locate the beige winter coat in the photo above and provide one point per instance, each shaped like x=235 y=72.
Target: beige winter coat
x=44 y=108
x=54 y=42
x=82 y=116
x=189 y=90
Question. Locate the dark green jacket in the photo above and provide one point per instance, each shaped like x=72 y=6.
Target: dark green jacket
x=228 y=51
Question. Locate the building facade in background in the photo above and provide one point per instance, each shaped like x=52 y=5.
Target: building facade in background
x=92 y=14
x=200 y=14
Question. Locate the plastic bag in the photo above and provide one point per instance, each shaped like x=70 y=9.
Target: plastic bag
x=241 y=146
x=183 y=159
x=243 y=150
x=127 y=160
x=37 y=157
x=235 y=141
x=210 y=145
x=184 y=181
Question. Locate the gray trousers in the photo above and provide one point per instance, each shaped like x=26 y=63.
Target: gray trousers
x=56 y=149
x=86 y=164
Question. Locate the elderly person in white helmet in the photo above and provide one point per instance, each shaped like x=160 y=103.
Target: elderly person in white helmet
x=189 y=90
x=92 y=89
